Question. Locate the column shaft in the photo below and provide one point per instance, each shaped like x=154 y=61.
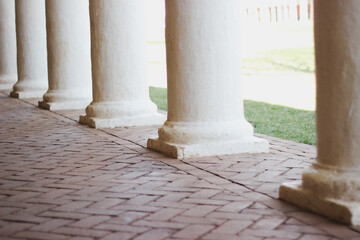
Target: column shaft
x=118 y=53
x=69 y=64
x=331 y=186
x=31 y=49
x=205 y=105
x=8 y=68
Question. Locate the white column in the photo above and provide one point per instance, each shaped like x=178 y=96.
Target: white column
x=118 y=54
x=8 y=69
x=205 y=104
x=331 y=186
x=31 y=49
x=69 y=64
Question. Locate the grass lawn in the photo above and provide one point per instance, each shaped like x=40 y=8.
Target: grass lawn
x=293 y=59
x=268 y=119
x=159 y=97
x=282 y=122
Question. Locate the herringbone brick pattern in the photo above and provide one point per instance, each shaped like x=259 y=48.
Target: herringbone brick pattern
x=62 y=180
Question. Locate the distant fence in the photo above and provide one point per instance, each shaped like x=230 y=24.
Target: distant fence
x=277 y=11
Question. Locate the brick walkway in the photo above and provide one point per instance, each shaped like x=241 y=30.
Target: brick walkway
x=63 y=180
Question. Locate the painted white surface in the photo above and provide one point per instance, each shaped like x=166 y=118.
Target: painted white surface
x=204 y=82
x=118 y=50
x=8 y=67
x=31 y=49
x=69 y=64
x=335 y=174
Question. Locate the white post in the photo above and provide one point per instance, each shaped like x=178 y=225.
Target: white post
x=281 y=10
x=8 y=69
x=31 y=49
x=205 y=104
x=304 y=13
x=264 y=11
x=292 y=10
x=118 y=51
x=331 y=186
x=69 y=64
x=272 y=13
x=311 y=5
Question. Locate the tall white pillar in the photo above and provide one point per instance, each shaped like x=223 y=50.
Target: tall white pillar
x=31 y=49
x=8 y=69
x=69 y=64
x=118 y=53
x=205 y=104
x=331 y=186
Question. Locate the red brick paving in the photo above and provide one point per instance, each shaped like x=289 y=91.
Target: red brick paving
x=63 y=180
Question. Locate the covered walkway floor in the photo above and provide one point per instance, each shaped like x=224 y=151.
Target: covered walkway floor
x=63 y=180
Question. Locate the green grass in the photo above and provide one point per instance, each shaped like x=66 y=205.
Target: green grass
x=268 y=119
x=159 y=97
x=295 y=59
x=282 y=122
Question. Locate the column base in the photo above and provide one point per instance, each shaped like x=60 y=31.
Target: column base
x=141 y=120
x=184 y=151
x=7 y=82
x=347 y=212
x=31 y=94
x=53 y=106
x=6 y=86
x=122 y=114
x=30 y=88
x=66 y=99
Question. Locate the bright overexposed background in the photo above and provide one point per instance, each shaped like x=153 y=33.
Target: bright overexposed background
x=278 y=50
